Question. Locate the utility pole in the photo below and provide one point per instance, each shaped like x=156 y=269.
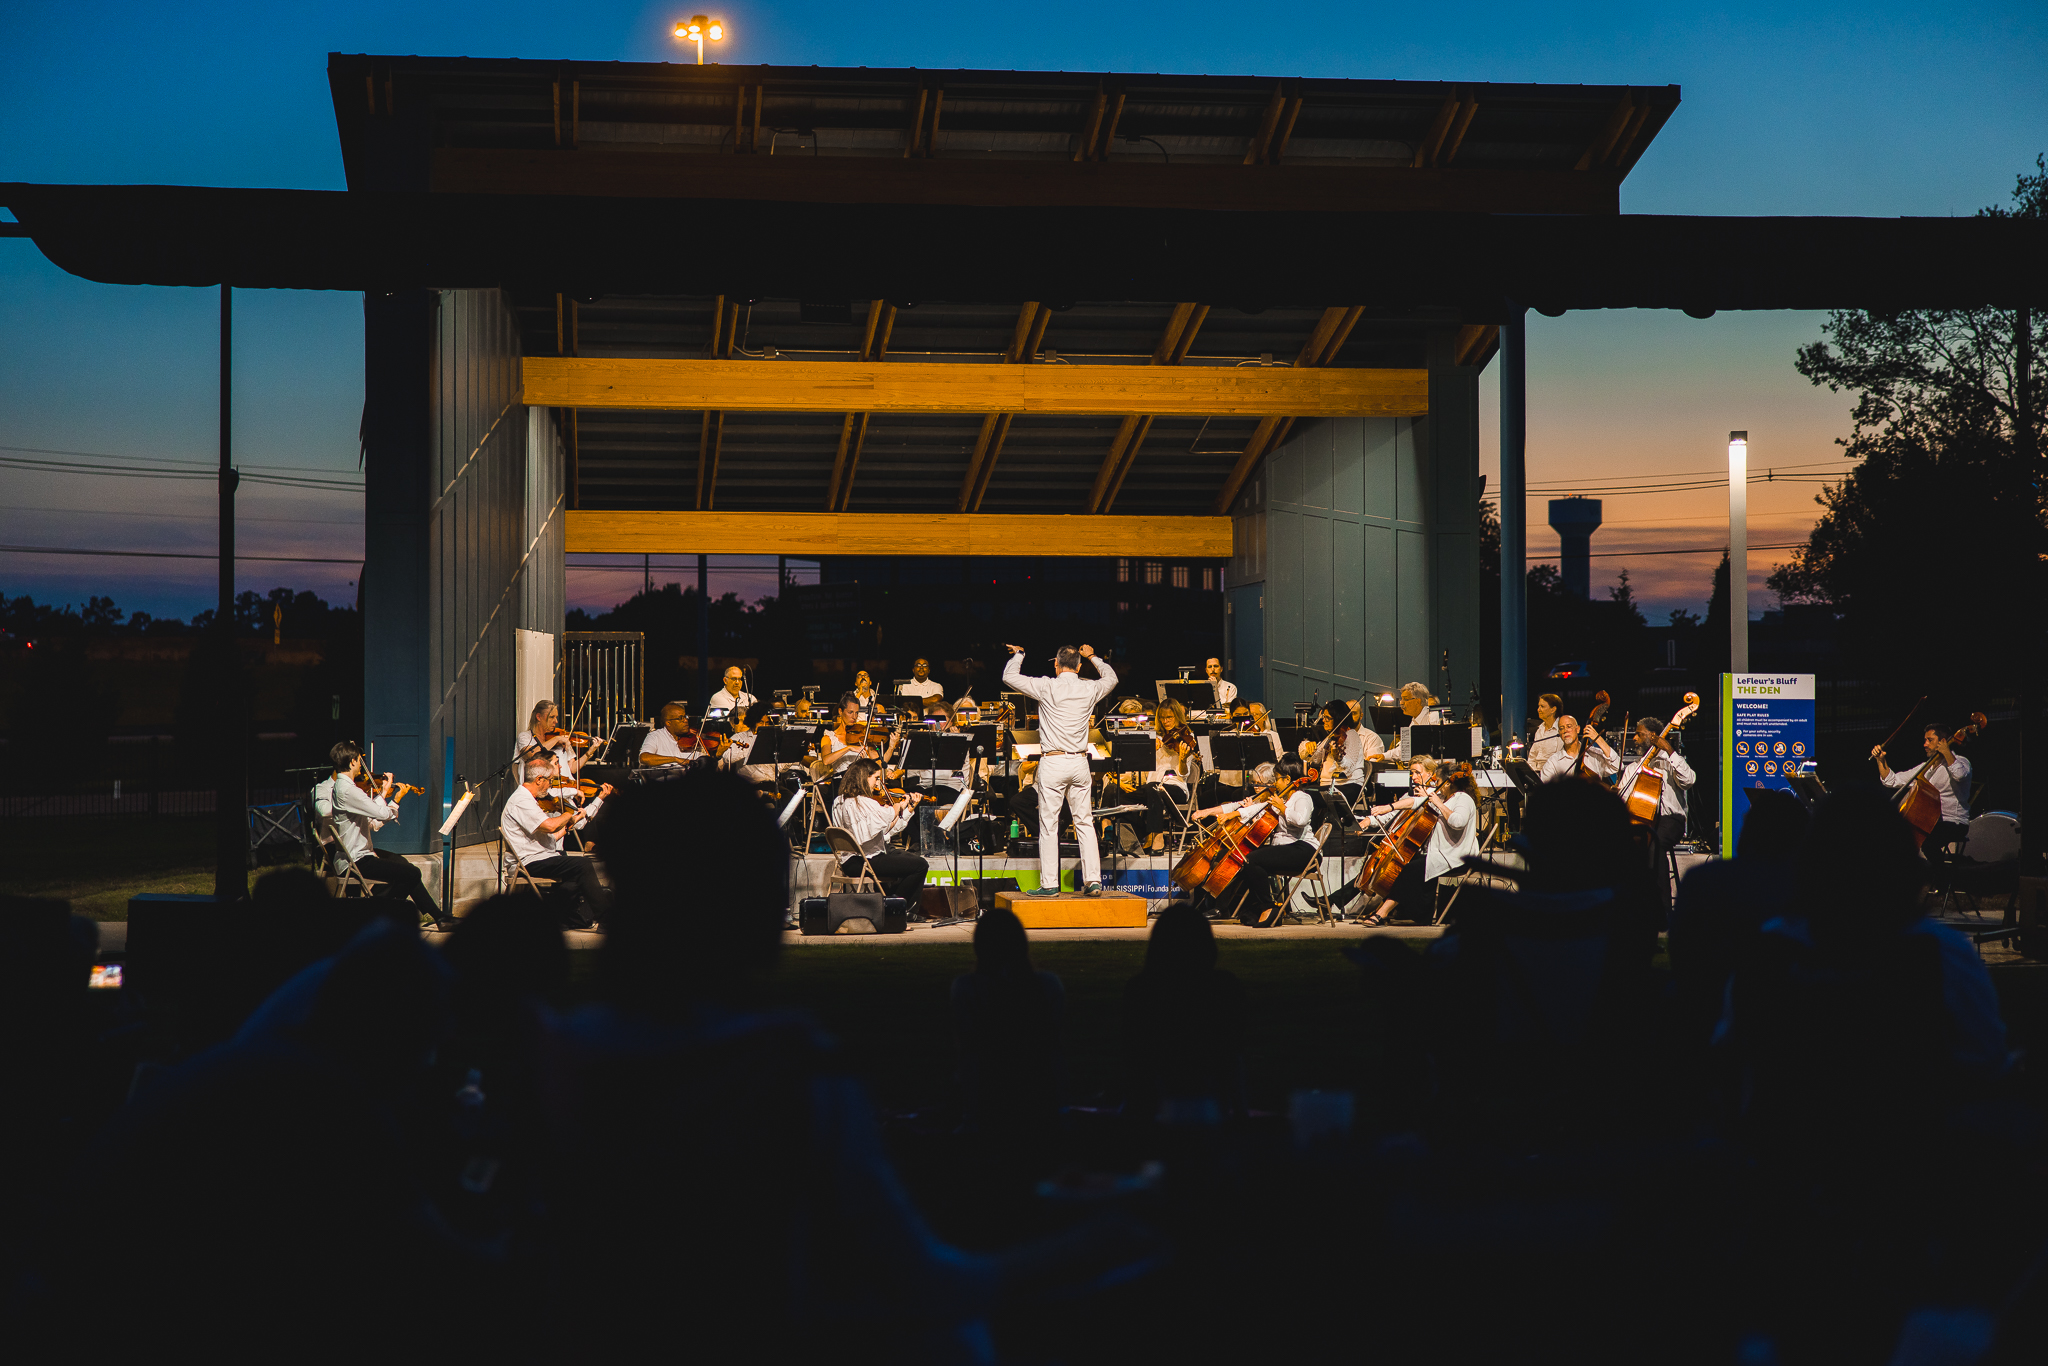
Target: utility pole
x=231 y=794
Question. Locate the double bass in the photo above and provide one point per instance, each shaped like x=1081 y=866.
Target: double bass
x=1645 y=795
x=1921 y=802
x=1404 y=843
x=1211 y=865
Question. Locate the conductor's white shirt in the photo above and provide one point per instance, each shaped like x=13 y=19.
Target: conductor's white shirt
x=1066 y=702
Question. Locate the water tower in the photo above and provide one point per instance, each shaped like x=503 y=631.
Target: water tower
x=1575 y=520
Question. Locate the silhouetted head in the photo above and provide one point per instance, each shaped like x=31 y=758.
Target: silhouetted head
x=1001 y=949
x=508 y=947
x=700 y=875
x=1774 y=828
x=1579 y=838
x=1859 y=870
x=1181 y=942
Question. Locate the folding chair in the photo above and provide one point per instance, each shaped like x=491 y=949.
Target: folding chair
x=1313 y=876
x=843 y=849
x=512 y=873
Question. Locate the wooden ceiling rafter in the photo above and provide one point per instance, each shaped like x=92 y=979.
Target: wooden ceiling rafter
x=1439 y=146
x=1475 y=343
x=725 y=321
x=853 y=432
x=1331 y=331
x=1025 y=339
x=1177 y=338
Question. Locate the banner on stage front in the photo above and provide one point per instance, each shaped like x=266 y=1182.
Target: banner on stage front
x=1767 y=737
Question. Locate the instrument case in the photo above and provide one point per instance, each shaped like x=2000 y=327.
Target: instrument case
x=864 y=911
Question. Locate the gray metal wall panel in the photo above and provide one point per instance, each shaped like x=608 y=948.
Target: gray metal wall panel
x=1452 y=432
x=542 y=587
x=1318 y=588
x=1283 y=583
x=1347 y=466
x=1381 y=665
x=1350 y=610
x=447 y=492
x=1412 y=660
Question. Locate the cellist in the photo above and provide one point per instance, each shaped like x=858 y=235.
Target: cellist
x=1289 y=850
x=1449 y=790
x=1662 y=758
x=1948 y=773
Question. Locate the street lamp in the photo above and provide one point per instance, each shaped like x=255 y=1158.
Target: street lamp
x=1738 y=552
x=697 y=29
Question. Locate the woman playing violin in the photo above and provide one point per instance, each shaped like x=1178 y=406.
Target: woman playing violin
x=544 y=731
x=850 y=739
x=870 y=813
x=1346 y=747
x=1288 y=851
x=1173 y=749
x=1449 y=790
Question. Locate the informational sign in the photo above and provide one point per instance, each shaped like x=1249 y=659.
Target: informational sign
x=1767 y=729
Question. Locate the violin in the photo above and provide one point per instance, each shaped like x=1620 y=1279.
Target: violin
x=577 y=739
x=370 y=783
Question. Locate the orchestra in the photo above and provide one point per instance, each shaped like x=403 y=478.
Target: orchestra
x=1045 y=770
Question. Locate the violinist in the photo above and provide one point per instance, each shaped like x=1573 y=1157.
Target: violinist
x=1583 y=752
x=664 y=745
x=733 y=696
x=1545 y=742
x=535 y=839
x=738 y=750
x=1449 y=790
x=1173 y=751
x=1948 y=773
x=864 y=690
x=849 y=740
x=353 y=815
x=1288 y=851
x=1343 y=757
x=543 y=731
x=866 y=810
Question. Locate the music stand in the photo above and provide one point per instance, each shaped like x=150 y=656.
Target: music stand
x=1388 y=718
x=929 y=753
x=1199 y=695
x=1133 y=756
x=1241 y=753
x=1454 y=742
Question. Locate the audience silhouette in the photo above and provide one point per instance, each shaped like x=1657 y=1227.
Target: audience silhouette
x=1006 y=1018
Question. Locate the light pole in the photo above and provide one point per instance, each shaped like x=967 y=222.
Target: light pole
x=1738 y=552
x=697 y=29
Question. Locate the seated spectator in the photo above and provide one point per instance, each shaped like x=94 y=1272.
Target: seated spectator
x=1722 y=905
x=1006 y=1019
x=1182 y=1019
x=726 y=1146
x=1544 y=1006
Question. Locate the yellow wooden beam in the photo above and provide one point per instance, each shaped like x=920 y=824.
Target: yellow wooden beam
x=788 y=386
x=892 y=533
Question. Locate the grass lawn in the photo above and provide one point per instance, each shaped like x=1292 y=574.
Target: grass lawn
x=98 y=862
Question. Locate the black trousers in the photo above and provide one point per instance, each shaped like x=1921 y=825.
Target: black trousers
x=1214 y=791
x=1665 y=833
x=1162 y=810
x=1249 y=896
x=1413 y=895
x=575 y=878
x=901 y=874
x=400 y=879
x=1939 y=848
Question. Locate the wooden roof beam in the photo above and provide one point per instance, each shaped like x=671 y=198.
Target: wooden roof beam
x=885 y=533
x=853 y=432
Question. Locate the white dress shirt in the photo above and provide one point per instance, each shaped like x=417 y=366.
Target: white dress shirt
x=558 y=748
x=723 y=700
x=351 y=813
x=1360 y=744
x=1672 y=768
x=661 y=744
x=928 y=687
x=1066 y=702
x=1297 y=820
x=1455 y=838
x=1952 y=781
x=1226 y=692
x=1597 y=763
x=870 y=822
x=1543 y=745
x=1166 y=765
x=520 y=825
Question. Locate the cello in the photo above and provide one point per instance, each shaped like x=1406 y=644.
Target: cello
x=1211 y=865
x=1645 y=795
x=1405 y=842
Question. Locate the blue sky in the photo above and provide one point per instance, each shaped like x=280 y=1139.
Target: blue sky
x=1873 y=109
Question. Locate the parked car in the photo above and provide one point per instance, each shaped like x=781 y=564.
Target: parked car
x=1572 y=668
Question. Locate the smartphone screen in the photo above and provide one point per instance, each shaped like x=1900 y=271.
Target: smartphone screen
x=106 y=977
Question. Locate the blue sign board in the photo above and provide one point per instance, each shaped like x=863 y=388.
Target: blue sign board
x=1767 y=735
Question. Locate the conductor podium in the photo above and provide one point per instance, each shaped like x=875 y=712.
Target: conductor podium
x=1073 y=911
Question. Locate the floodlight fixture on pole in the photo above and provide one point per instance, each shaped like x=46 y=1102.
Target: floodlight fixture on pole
x=1738 y=552
x=699 y=29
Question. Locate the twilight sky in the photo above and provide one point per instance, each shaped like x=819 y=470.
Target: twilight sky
x=1877 y=108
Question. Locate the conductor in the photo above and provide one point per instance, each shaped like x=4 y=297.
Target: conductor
x=1066 y=703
